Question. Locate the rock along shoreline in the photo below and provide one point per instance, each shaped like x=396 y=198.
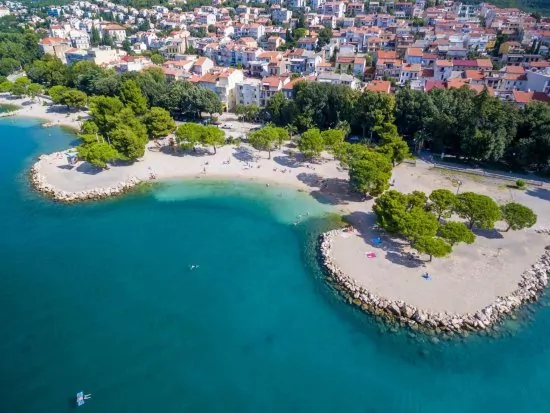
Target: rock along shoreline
x=533 y=282
x=40 y=184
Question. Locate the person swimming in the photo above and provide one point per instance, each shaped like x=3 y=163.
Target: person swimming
x=193 y=267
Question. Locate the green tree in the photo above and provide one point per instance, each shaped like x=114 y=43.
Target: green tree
x=97 y=153
x=332 y=138
x=159 y=123
x=397 y=151
x=74 y=99
x=157 y=59
x=104 y=111
x=5 y=86
x=95 y=38
x=390 y=210
x=479 y=210
x=247 y=112
x=433 y=246
x=370 y=174
x=282 y=135
x=311 y=143
x=127 y=142
x=8 y=65
x=417 y=223
x=443 y=202
x=323 y=37
x=455 y=232
x=48 y=71
x=518 y=216
x=213 y=136
x=57 y=92
x=34 y=90
x=20 y=86
x=130 y=94
x=189 y=134
x=264 y=139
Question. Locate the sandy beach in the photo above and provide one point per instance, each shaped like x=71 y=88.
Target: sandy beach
x=471 y=278
x=43 y=109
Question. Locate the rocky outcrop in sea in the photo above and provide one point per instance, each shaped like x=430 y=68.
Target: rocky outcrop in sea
x=533 y=282
x=39 y=183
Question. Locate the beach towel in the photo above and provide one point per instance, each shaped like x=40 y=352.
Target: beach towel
x=370 y=254
x=377 y=241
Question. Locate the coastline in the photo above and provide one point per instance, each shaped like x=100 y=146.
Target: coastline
x=327 y=183
x=54 y=115
x=531 y=285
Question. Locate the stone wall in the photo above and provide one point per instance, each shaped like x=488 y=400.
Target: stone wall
x=533 y=282
x=39 y=182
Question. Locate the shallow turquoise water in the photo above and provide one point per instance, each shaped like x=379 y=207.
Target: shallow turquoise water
x=98 y=297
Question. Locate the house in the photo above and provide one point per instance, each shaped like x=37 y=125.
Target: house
x=102 y=55
x=281 y=15
x=307 y=43
x=269 y=86
x=409 y=73
x=202 y=66
x=538 y=80
x=174 y=47
x=223 y=82
x=414 y=55
x=359 y=66
x=115 y=31
x=338 y=79
x=333 y=8
x=443 y=69
x=55 y=46
x=344 y=64
x=381 y=86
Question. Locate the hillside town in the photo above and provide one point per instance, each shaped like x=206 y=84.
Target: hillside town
x=248 y=52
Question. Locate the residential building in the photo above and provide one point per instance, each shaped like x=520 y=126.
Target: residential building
x=55 y=46
x=338 y=79
x=223 y=82
x=115 y=31
x=102 y=55
x=248 y=92
x=202 y=66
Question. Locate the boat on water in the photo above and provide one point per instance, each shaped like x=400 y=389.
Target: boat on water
x=81 y=398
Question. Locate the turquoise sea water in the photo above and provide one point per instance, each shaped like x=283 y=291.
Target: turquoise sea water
x=99 y=297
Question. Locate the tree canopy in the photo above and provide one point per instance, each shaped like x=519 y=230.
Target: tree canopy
x=478 y=210
x=518 y=216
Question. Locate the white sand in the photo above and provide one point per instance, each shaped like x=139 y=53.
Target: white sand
x=471 y=278
x=54 y=114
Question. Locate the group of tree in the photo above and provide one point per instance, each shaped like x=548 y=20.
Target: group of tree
x=458 y=122
x=21 y=86
x=119 y=126
x=424 y=220
x=18 y=46
x=181 y=98
x=247 y=113
x=189 y=135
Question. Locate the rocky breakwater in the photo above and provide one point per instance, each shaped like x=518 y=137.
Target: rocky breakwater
x=40 y=183
x=533 y=282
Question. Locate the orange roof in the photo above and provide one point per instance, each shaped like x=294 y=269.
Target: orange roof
x=200 y=61
x=515 y=69
x=386 y=54
x=514 y=76
x=382 y=86
x=444 y=63
x=52 y=40
x=474 y=75
x=415 y=51
x=272 y=81
x=456 y=83
x=411 y=67
x=479 y=88
x=526 y=97
x=484 y=63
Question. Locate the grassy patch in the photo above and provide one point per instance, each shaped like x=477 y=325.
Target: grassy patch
x=8 y=107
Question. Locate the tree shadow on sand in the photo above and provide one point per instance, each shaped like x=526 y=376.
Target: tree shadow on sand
x=288 y=161
x=487 y=233
x=541 y=193
x=88 y=169
x=244 y=154
x=396 y=250
x=333 y=191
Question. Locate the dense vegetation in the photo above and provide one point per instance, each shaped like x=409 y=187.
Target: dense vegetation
x=418 y=218
x=457 y=122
